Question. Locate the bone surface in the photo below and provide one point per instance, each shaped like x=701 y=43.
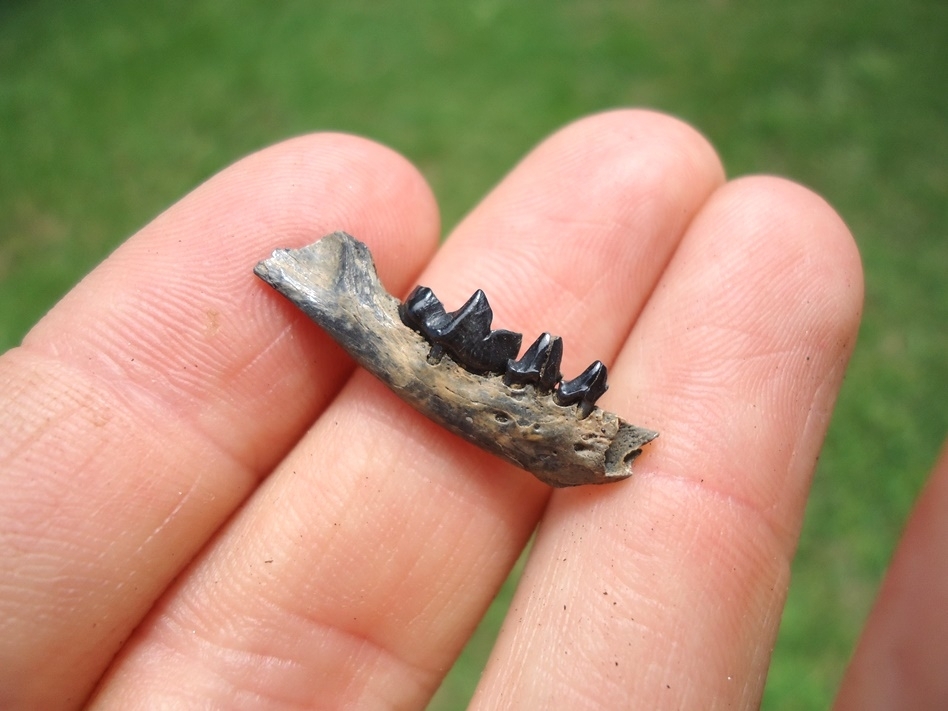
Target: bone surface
x=561 y=438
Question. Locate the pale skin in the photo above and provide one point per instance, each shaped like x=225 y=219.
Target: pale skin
x=204 y=503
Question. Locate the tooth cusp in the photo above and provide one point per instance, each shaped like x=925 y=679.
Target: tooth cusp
x=584 y=389
x=539 y=365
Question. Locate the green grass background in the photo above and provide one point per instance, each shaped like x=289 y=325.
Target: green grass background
x=110 y=111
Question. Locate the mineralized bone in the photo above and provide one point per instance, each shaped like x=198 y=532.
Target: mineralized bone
x=560 y=437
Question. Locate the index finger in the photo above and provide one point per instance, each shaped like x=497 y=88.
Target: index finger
x=148 y=404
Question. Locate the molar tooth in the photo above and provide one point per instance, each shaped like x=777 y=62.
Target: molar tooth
x=423 y=312
x=468 y=338
x=470 y=323
x=539 y=365
x=584 y=389
x=465 y=334
x=491 y=354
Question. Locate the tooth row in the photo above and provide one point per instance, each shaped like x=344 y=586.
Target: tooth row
x=467 y=337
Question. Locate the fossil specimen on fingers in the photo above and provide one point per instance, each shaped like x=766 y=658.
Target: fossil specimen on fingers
x=455 y=369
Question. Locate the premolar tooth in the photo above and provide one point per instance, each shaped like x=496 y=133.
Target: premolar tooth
x=584 y=389
x=539 y=365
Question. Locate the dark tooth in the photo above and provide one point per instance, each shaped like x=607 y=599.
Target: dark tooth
x=584 y=389
x=491 y=354
x=469 y=324
x=464 y=333
x=468 y=338
x=539 y=365
x=423 y=312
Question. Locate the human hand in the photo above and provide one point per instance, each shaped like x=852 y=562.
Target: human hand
x=204 y=503
x=900 y=660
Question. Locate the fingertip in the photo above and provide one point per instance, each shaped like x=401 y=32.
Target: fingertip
x=610 y=195
x=750 y=329
x=790 y=224
x=619 y=134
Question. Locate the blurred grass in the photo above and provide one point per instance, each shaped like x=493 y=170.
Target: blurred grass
x=110 y=111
